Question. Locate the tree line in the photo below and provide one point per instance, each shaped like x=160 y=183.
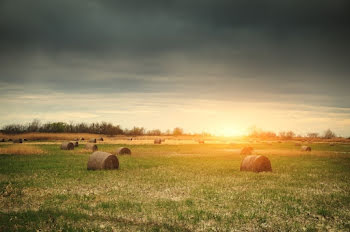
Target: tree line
x=93 y=128
x=258 y=133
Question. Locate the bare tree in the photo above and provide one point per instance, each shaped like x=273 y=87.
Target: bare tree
x=312 y=135
x=328 y=134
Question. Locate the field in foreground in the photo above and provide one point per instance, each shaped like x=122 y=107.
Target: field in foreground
x=177 y=188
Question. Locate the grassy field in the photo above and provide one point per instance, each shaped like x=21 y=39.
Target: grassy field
x=194 y=187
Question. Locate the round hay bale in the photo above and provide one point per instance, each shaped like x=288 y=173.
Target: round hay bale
x=2 y=140
x=102 y=160
x=90 y=146
x=123 y=151
x=25 y=140
x=157 y=141
x=92 y=140
x=67 y=146
x=306 y=148
x=256 y=163
x=101 y=139
x=130 y=139
x=17 y=141
x=76 y=143
x=82 y=139
x=247 y=151
x=201 y=141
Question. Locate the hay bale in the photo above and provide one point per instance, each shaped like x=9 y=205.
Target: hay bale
x=76 y=143
x=130 y=139
x=123 y=151
x=2 y=140
x=247 y=151
x=102 y=160
x=92 y=140
x=101 y=139
x=201 y=141
x=25 y=140
x=157 y=141
x=10 y=140
x=256 y=163
x=306 y=148
x=67 y=146
x=82 y=139
x=17 y=141
x=90 y=146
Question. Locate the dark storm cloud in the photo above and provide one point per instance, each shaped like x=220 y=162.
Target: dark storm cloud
x=260 y=46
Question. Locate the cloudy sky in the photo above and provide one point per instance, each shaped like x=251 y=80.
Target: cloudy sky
x=219 y=66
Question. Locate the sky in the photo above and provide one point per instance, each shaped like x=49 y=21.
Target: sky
x=219 y=66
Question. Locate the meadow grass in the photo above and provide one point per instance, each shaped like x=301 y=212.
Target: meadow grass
x=177 y=188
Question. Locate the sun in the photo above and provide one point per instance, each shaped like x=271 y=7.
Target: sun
x=228 y=131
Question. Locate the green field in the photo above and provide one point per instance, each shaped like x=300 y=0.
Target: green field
x=177 y=188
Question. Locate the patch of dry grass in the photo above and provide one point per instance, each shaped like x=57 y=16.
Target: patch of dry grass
x=21 y=149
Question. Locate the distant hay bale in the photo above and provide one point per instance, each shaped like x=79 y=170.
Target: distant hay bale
x=67 y=146
x=201 y=141
x=123 y=151
x=25 y=140
x=306 y=148
x=92 y=140
x=76 y=143
x=101 y=139
x=92 y=147
x=247 y=151
x=157 y=141
x=256 y=163
x=17 y=141
x=130 y=138
x=82 y=139
x=102 y=160
x=2 y=140
x=10 y=140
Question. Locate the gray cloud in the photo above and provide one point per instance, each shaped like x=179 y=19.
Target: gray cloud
x=256 y=50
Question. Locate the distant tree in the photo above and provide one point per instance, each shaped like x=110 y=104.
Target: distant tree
x=312 y=135
x=178 y=131
x=154 y=132
x=34 y=126
x=13 y=129
x=286 y=134
x=136 y=131
x=328 y=134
